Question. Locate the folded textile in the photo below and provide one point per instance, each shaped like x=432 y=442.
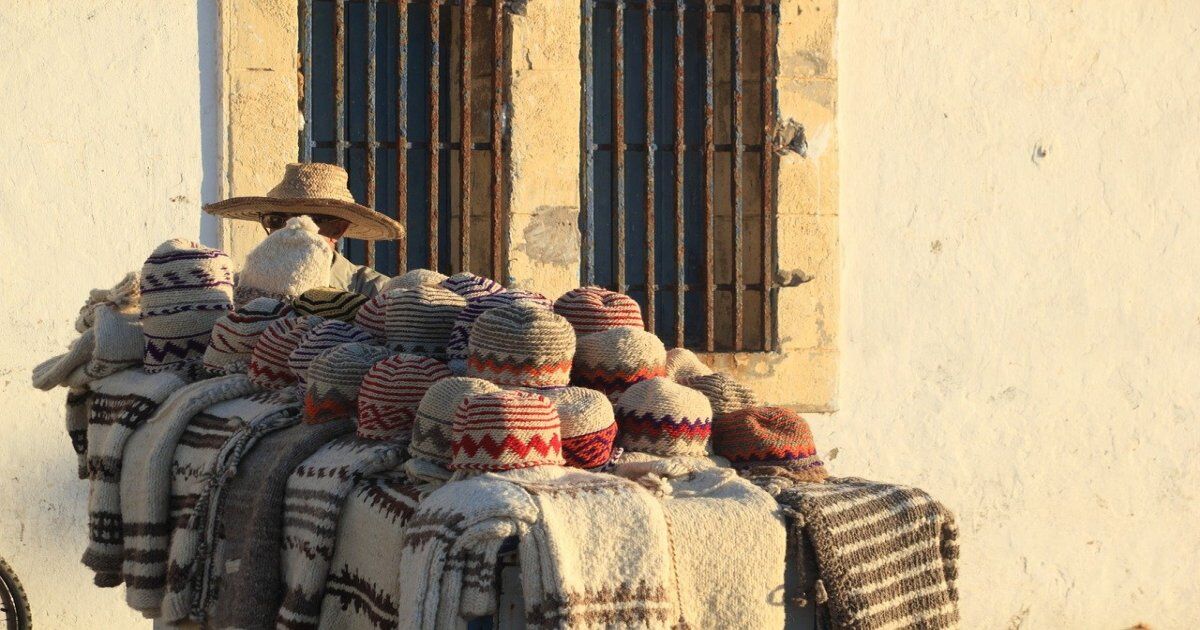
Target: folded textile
x=250 y=588
x=887 y=554
x=363 y=583
x=580 y=565
x=119 y=405
x=165 y=467
x=312 y=506
x=78 y=399
x=206 y=460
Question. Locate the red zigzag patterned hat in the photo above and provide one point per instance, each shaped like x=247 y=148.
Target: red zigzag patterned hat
x=506 y=430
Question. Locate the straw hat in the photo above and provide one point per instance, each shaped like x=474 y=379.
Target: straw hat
x=313 y=188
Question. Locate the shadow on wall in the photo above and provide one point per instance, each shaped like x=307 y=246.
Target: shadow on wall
x=208 y=46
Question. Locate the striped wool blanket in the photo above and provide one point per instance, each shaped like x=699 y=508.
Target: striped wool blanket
x=886 y=554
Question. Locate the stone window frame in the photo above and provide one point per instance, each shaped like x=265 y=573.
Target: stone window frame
x=260 y=118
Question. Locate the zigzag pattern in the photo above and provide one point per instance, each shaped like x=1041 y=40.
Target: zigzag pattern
x=664 y=426
x=590 y=450
x=510 y=443
x=158 y=352
x=517 y=372
x=325 y=406
x=611 y=381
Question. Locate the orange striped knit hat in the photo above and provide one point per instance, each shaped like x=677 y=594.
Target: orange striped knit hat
x=269 y=359
x=506 y=430
x=334 y=378
x=593 y=309
x=612 y=360
x=769 y=436
x=390 y=393
x=234 y=335
x=522 y=345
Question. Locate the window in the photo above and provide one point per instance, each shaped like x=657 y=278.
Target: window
x=390 y=90
x=678 y=178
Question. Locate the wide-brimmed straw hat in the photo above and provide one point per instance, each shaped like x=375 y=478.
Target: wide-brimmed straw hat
x=313 y=188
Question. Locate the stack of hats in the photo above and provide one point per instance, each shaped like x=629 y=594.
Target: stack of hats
x=456 y=347
x=771 y=437
x=334 y=379
x=589 y=426
x=292 y=260
x=521 y=344
x=612 y=360
x=390 y=393
x=661 y=417
x=234 y=335
x=413 y=279
x=593 y=309
x=505 y=430
x=329 y=303
x=433 y=427
x=269 y=358
x=322 y=337
x=469 y=285
x=185 y=288
x=683 y=364
x=723 y=393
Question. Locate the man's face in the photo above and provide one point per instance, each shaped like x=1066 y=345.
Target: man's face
x=332 y=228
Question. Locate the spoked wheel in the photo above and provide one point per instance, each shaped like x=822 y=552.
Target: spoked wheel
x=14 y=606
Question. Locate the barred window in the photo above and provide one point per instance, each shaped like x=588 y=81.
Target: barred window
x=390 y=90
x=678 y=181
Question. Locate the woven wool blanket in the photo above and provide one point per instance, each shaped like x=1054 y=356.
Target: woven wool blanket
x=206 y=460
x=165 y=468
x=118 y=406
x=313 y=502
x=594 y=551
x=363 y=583
x=248 y=589
x=78 y=403
x=887 y=554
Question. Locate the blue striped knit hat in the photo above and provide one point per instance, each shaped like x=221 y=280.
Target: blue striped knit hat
x=322 y=337
x=185 y=288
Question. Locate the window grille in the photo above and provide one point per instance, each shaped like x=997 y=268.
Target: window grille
x=410 y=97
x=678 y=178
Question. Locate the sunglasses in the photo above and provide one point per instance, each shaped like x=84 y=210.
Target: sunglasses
x=327 y=226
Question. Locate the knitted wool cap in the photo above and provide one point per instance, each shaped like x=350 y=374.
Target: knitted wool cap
x=185 y=288
x=469 y=285
x=723 y=393
x=593 y=309
x=664 y=418
x=521 y=344
x=589 y=426
x=119 y=341
x=415 y=278
x=768 y=436
x=390 y=393
x=269 y=358
x=234 y=335
x=612 y=360
x=456 y=348
x=432 y=433
x=322 y=337
x=329 y=303
x=683 y=364
x=334 y=378
x=287 y=263
x=506 y=430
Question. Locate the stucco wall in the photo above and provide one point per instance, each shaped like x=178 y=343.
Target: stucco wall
x=1021 y=303
x=102 y=158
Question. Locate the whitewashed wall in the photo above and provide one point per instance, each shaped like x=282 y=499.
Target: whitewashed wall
x=1022 y=331
x=102 y=156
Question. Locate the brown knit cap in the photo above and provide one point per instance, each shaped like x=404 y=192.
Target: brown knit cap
x=769 y=437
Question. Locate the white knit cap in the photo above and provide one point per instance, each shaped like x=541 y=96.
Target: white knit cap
x=683 y=364
x=292 y=260
x=414 y=278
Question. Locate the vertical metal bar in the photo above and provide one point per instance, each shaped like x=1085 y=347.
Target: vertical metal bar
x=650 y=149
x=372 y=140
x=767 y=174
x=339 y=78
x=587 y=199
x=497 y=138
x=435 y=136
x=465 y=137
x=710 y=281
x=619 y=146
x=306 y=62
x=680 y=278
x=402 y=132
x=735 y=185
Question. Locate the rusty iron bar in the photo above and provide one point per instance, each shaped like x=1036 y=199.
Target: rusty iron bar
x=588 y=134
x=619 y=144
x=435 y=57
x=680 y=280
x=768 y=105
x=306 y=63
x=412 y=144
x=735 y=184
x=339 y=78
x=496 y=149
x=402 y=133
x=709 y=215
x=464 y=153
x=372 y=140
x=650 y=149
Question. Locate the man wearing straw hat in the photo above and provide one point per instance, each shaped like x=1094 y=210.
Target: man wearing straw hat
x=319 y=191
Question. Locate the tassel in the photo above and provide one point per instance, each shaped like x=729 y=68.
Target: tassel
x=819 y=592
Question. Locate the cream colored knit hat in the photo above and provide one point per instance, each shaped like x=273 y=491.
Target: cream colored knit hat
x=521 y=344
x=432 y=434
x=683 y=364
x=287 y=263
x=723 y=393
x=589 y=425
x=415 y=321
x=612 y=360
x=664 y=418
x=185 y=287
x=414 y=278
